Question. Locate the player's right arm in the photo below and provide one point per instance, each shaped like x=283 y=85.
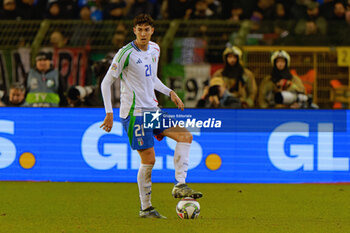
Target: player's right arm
x=113 y=73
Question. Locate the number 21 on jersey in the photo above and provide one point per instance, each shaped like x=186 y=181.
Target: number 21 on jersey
x=148 y=70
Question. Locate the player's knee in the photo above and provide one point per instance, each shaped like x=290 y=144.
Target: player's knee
x=189 y=137
x=147 y=156
x=186 y=137
x=150 y=161
x=153 y=161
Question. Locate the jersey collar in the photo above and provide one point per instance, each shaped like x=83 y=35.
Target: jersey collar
x=137 y=48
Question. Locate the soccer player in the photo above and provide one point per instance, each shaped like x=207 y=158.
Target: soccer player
x=136 y=65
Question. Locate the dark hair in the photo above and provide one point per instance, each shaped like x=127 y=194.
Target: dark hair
x=214 y=90
x=17 y=85
x=42 y=56
x=143 y=19
x=73 y=93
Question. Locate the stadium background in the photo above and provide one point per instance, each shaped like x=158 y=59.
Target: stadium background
x=256 y=146
x=187 y=61
x=188 y=57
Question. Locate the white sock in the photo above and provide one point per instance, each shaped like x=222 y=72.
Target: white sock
x=144 y=182
x=181 y=157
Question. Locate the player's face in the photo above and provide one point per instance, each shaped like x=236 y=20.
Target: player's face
x=280 y=63
x=143 y=34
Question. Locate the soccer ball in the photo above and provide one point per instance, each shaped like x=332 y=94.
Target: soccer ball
x=188 y=208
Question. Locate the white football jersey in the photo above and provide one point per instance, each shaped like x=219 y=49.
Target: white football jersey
x=137 y=70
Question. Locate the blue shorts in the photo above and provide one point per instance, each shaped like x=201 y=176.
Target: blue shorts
x=139 y=137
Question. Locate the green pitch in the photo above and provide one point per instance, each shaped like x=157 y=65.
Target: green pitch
x=113 y=207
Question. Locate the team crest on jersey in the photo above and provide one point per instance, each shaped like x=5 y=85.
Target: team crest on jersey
x=140 y=141
x=114 y=66
x=154 y=59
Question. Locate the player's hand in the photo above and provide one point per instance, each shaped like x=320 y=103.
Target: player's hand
x=108 y=122
x=177 y=101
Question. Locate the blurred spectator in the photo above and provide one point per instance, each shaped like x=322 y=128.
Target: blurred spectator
x=9 y=10
x=281 y=12
x=266 y=9
x=119 y=39
x=298 y=9
x=337 y=25
x=122 y=28
x=258 y=26
x=62 y=9
x=140 y=6
x=217 y=96
x=179 y=9
x=284 y=33
x=247 y=7
x=43 y=83
x=114 y=10
x=57 y=39
x=202 y=11
x=239 y=81
x=95 y=7
x=54 y=10
x=70 y=8
x=215 y=6
x=312 y=36
x=88 y=96
x=96 y=10
x=341 y=36
x=288 y=4
x=2 y=96
x=85 y=13
x=256 y=19
x=338 y=11
x=28 y=10
x=82 y=32
x=347 y=18
x=236 y=13
x=16 y=96
x=311 y=28
x=326 y=9
x=281 y=89
x=312 y=15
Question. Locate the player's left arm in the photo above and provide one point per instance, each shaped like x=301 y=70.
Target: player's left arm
x=177 y=101
x=159 y=86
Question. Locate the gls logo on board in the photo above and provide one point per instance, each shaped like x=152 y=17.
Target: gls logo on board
x=7 y=148
x=302 y=155
x=116 y=154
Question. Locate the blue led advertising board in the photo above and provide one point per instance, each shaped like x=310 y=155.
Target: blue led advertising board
x=246 y=146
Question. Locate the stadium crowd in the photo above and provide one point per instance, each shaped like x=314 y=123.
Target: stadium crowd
x=288 y=22
x=233 y=86
x=177 y=9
